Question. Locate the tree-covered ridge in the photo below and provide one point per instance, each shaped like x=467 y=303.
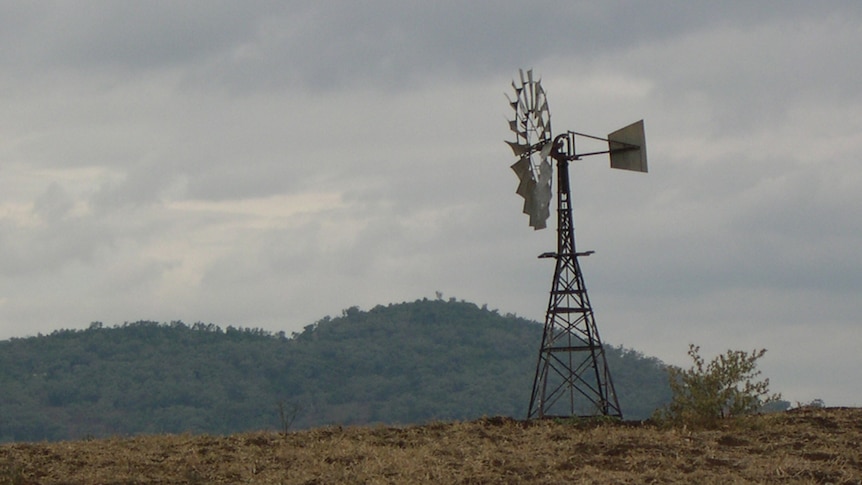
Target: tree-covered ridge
x=397 y=364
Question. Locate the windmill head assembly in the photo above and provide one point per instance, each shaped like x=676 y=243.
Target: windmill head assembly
x=572 y=376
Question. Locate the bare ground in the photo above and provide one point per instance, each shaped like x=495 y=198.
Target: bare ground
x=799 y=446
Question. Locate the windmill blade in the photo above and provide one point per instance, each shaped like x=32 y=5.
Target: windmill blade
x=541 y=125
x=544 y=107
x=526 y=182
x=539 y=215
x=538 y=218
x=513 y=125
x=526 y=188
x=543 y=188
x=546 y=150
x=518 y=148
x=511 y=103
x=524 y=170
x=541 y=114
x=519 y=126
x=537 y=204
x=543 y=199
x=522 y=133
x=545 y=171
x=530 y=205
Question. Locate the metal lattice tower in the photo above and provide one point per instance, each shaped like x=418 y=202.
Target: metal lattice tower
x=572 y=376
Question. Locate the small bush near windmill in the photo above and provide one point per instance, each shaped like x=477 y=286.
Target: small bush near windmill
x=725 y=387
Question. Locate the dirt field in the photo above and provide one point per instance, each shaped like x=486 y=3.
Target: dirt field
x=800 y=446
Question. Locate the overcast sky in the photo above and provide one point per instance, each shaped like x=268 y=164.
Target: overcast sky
x=266 y=164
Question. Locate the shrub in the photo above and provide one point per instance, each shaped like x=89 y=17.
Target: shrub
x=725 y=387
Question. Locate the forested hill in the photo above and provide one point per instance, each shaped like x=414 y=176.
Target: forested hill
x=397 y=364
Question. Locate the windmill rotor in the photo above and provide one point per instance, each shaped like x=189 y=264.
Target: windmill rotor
x=532 y=146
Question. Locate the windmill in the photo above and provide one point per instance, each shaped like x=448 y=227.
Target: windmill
x=572 y=376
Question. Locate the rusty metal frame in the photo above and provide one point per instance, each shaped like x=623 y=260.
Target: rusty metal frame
x=572 y=376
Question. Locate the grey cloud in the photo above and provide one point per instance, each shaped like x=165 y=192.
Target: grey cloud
x=43 y=250
x=268 y=164
x=328 y=46
x=325 y=45
x=54 y=204
x=133 y=36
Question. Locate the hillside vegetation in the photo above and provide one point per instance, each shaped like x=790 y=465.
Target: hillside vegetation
x=406 y=363
x=799 y=446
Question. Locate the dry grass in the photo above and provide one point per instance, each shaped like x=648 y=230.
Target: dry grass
x=801 y=446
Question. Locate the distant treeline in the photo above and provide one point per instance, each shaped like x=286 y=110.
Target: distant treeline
x=397 y=364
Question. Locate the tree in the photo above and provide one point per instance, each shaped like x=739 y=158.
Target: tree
x=725 y=387
x=405 y=363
